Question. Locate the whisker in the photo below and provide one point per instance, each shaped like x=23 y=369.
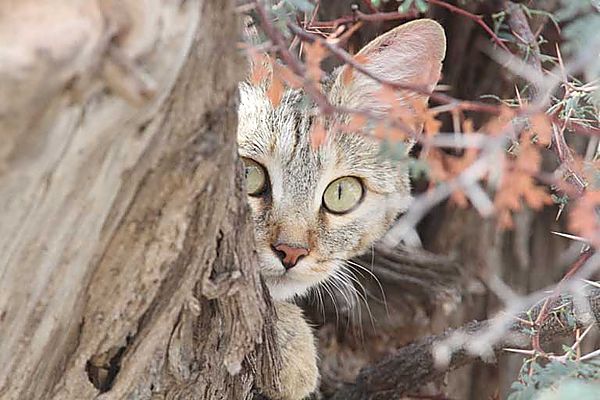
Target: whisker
x=325 y=286
x=321 y=303
x=318 y=298
x=363 y=295
x=347 y=278
x=334 y=278
x=357 y=311
x=383 y=298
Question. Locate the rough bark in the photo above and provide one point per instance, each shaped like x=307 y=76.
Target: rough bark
x=416 y=364
x=126 y=261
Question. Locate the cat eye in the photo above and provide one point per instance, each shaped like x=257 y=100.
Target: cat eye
x=343 y=194
x=256 y=177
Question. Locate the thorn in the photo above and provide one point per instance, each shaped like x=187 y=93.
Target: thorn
x=592 y=283
x=561 y=208
x=520 y=351
x=572 y=237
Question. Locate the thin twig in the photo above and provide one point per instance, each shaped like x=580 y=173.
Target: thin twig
x=544 y=312
x=347 y=59
x=358 y=15
x=291 y=60
x=477 y=18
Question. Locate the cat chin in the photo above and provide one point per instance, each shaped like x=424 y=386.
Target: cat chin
x=285 y=285
x=286 y=289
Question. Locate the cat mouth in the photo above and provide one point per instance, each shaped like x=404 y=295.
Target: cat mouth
x=285 y=283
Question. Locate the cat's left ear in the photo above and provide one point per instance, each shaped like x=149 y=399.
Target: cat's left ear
x=411 y=54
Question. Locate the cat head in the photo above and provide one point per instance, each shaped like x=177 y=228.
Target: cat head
x=315 y=207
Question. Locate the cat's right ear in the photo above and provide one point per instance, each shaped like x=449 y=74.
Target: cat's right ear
x=410 y=54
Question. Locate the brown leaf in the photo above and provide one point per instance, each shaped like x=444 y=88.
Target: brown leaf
x=542 y=128
x=497 y=125
x=275 y=91
x=432 y=125
x=583 y=218
x=347 y=75
x=315 y=53
x=288 y=76
x=357 y=123
x=259 y=67
x=318 y=135
x=348 y=72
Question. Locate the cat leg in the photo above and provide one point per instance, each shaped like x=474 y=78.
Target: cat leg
x=299 y=373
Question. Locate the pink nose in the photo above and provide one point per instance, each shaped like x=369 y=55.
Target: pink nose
x=289 y=255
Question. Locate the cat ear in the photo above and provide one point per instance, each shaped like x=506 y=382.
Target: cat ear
x=411 y=54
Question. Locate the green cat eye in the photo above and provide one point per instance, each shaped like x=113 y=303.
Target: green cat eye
x=343 y=194
x=256 y=177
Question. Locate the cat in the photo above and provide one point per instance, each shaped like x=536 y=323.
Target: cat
x=315 y=207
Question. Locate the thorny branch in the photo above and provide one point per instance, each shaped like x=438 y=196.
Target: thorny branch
x=490 y=147
x=358 y=15
x=347 y=59
x=426 y=360
x=415 y=364
x=477 y=18
x=517 y=21
x=290 y=59
x=545 y=309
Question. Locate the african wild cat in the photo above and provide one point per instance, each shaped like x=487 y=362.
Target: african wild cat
x=314 y=208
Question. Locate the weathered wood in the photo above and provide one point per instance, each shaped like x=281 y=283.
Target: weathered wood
x=126 y=263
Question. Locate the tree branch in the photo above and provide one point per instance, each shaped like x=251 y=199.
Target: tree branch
x=478 y=19
x=415 y=364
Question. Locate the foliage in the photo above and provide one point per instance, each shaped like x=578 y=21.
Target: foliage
x=557 y=379
x=496 y=167
x=582 y=24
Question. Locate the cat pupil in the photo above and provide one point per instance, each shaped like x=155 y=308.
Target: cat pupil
x=339 y=191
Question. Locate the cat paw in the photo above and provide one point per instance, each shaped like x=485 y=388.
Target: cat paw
x=299 y=373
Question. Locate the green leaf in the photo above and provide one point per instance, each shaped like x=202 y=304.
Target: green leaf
x=302 y=5
x=405 y=6
x=421 y=5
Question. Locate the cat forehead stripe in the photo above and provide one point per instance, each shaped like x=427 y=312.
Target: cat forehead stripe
x=278 y=138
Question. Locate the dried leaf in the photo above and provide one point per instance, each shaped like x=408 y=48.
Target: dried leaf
x=583 y=218
x=357 y=123
x=288 y=76
x=497 y=125
x=518 y=185
x=542 y=128
x=318 y=135
x=275 y=91
x=347 y=75
x=315 y=53
x=348 y=72
x=432 y=125
x=380 y=131
x=259 y=68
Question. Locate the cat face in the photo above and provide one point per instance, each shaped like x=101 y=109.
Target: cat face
x=312 y=207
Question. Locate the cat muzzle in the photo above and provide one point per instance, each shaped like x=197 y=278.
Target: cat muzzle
x=289 y=255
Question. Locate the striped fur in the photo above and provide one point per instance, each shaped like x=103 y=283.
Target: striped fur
x=279 y=139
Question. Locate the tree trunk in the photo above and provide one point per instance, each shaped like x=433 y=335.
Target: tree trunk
x=126 y=260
